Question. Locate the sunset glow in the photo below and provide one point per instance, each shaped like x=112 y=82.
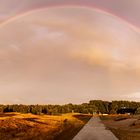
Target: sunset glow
x=68 y=52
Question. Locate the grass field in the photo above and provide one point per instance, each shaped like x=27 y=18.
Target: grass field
x=125 y=127
x=16 y=126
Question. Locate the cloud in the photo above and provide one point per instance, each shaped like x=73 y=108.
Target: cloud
x=108 y=59
x=93 y=56
x=132 y=96
x=42 y=32
x=56 y=54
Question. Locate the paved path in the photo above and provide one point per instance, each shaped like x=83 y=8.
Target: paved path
x=95 y=130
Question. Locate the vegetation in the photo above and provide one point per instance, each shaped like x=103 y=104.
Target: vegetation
x=125 y=127
x=40 y=122
x=17 y=126
x=93 y=106
x=137 y=111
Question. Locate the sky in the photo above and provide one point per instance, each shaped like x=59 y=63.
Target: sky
x=57 y=52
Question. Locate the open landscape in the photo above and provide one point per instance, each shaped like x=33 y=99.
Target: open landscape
x=17 y=126
x=63 y=122
x=69 y=70
x=125 y=127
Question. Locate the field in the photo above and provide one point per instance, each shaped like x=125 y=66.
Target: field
x=125 y=127
x=16 y=126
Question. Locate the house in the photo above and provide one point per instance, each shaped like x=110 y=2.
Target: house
x=126 y=110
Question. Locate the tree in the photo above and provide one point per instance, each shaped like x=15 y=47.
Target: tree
x=137 y=111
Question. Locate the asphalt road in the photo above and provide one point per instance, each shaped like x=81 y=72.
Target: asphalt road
x=94 y=130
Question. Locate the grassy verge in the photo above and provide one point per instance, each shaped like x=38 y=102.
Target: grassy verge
x=16 y=126
x=72 y=127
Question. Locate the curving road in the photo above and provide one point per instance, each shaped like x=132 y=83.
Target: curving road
x=95 y=130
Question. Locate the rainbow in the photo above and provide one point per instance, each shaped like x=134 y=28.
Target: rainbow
x=106 y=12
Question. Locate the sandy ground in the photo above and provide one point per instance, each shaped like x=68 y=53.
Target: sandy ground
x=95 y=130
x=125 y=129
x=120 y=124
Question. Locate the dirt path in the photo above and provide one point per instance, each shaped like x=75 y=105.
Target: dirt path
x=95 y=130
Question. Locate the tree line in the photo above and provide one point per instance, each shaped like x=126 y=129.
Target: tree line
x=94 y=106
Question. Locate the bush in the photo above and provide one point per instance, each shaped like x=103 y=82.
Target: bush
x=137 y=111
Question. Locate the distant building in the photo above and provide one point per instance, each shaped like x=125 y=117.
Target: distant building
x=126 y=110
